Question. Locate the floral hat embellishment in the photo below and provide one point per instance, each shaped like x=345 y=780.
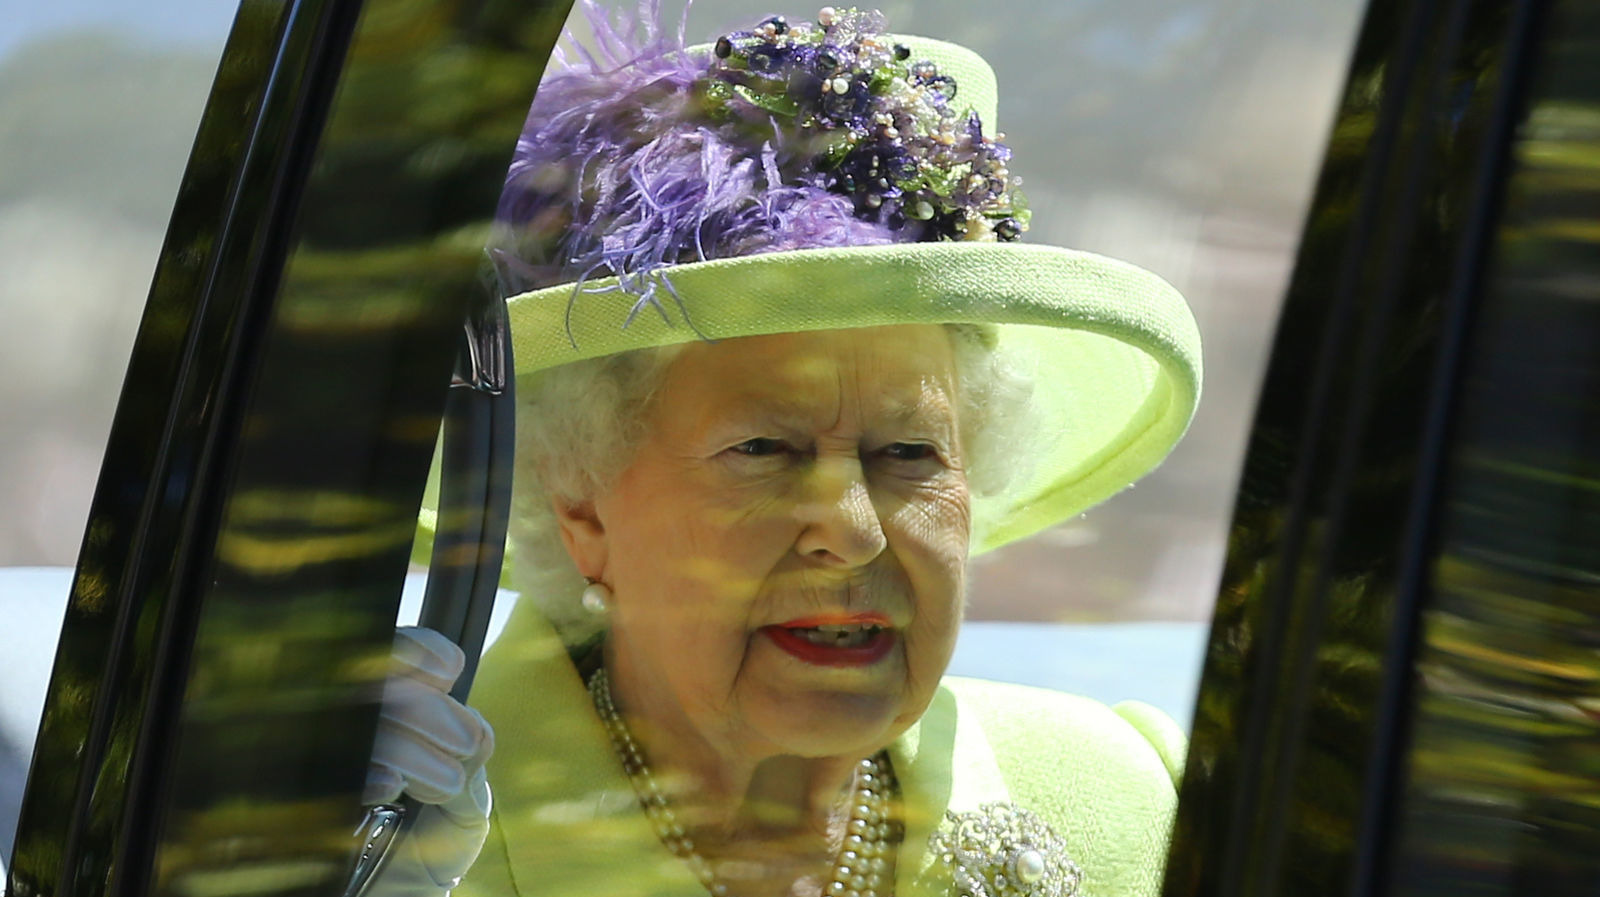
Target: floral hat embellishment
x=884 y=128
x=1001 y=850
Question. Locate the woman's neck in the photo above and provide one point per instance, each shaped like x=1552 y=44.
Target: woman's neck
x=726 y=788
x=781 y=796
x=755 y=824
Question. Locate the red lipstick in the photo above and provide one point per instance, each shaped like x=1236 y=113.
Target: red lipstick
x=835 y=640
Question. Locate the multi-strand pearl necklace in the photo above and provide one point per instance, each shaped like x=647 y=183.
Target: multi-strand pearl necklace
x=862 y=866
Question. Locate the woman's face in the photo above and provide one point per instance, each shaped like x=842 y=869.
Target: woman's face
x=787 y=548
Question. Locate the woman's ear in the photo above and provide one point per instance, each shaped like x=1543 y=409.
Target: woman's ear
x=583 y=535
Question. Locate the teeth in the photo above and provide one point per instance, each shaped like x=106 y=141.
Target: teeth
x=847 y=636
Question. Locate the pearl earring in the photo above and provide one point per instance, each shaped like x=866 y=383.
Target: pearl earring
x=596 y=598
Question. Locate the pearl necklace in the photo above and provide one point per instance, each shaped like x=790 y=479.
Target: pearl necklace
x=863 y=861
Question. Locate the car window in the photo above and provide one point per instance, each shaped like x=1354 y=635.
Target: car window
x=1138 y=138
x=282 y=667
x=1148 y=142
x=1388 y=701
x=240 y=208
x=1205 y=187
x=1497 y=774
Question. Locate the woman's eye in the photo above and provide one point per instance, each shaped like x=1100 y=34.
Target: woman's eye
x=759 y=447
x=910 y=451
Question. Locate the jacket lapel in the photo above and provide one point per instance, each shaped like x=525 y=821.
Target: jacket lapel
x=570 y=818
x=945 y=766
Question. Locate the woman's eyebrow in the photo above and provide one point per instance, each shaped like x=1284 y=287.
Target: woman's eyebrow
x=921 y=415
x=757 y=415
x=770 y=408
x=929 y=407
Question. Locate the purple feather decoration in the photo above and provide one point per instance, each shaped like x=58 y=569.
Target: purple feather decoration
x=608 y=181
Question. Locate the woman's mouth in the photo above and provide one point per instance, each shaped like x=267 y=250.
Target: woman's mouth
x=859 y=640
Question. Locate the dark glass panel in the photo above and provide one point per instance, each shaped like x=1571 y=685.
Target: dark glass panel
x=277 y=715
x=106 y=662
x=1306 y=672
x=1502 y=794
x=211 y=711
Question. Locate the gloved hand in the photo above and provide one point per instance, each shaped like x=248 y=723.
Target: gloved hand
x=433 y=748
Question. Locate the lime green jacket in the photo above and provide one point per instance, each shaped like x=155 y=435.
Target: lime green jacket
x=566 y=823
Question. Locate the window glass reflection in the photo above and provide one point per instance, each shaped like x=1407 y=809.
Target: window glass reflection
x=1184 y=140
x=1500 y=794
x=754 y=463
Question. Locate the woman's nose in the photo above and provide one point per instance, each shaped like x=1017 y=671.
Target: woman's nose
x=841 y=525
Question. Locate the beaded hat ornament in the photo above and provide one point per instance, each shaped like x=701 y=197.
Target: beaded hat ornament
x=878 y=124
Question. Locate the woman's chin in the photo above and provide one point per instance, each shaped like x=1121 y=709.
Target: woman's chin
x=821 y=709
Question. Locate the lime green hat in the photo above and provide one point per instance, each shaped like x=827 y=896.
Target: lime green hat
x=896 y=132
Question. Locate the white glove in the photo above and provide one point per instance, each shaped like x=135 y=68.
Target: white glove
x=433 y=748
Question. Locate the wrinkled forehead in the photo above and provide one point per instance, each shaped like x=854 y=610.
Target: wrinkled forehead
x=870 y=376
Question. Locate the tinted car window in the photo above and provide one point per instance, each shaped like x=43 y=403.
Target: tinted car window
x=1376 y=718
x=133 y=622
x=1224 y=239
x=1499 y=776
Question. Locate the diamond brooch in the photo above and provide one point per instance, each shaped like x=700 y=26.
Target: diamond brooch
x=1000 y=850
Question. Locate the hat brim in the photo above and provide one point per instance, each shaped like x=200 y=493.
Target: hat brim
x=1114 y=348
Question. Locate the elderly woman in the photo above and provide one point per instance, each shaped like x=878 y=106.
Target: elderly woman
x=783 y=370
